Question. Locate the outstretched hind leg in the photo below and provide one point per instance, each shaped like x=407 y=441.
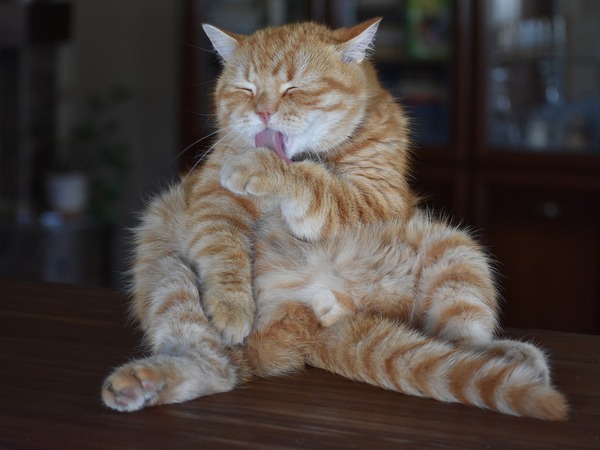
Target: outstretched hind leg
x=188 y=357
x=188 y=361
x=164 y=379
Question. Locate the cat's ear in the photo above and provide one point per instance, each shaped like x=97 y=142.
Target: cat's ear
x=358 y=40
x=224 y=42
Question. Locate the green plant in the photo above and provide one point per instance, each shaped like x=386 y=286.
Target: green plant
x=96 y=146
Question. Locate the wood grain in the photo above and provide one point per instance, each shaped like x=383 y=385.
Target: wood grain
x=58 y=343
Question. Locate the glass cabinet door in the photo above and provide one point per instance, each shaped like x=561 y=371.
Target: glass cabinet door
x=543 y=76
x=247 y=16
x=414 y=55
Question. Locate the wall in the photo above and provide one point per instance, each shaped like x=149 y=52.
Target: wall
x=136 y=44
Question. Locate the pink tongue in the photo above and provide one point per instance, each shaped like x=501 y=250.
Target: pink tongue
x=273 y=140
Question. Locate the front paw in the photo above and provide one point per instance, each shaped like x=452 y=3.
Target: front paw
x=255 y=172
x=232 y=315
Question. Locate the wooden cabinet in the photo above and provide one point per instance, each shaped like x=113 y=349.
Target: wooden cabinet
x=544 y=232
x=536 y=161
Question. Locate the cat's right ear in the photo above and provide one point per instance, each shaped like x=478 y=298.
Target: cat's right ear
x=224 y=42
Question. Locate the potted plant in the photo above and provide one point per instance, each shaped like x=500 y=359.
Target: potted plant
x=91 y=165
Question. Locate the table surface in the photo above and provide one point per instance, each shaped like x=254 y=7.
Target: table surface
x=57 y=343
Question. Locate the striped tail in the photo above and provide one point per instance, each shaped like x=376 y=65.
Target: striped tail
x=395 y=357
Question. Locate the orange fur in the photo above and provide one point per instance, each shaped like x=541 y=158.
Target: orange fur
x=256 y=265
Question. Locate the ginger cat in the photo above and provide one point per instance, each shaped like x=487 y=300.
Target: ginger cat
x=299 y=242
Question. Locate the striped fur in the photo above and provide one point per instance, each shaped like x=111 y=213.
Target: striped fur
x=406 y=305
x=251 y=266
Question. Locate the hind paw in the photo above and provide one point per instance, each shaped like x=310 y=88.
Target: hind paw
x=327 y=308
x=132 y=387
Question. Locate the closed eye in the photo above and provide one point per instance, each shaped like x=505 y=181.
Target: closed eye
x=247 y=89
x=287 y=88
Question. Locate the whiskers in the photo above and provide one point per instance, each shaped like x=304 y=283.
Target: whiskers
x=232 y=135
x=176 y=157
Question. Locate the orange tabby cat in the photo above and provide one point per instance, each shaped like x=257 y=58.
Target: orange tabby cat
x=298 y=242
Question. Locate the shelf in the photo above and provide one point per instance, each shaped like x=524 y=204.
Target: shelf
x=36 y=23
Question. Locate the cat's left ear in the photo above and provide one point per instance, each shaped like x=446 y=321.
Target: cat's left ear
x=224 y=42
x=358 y=40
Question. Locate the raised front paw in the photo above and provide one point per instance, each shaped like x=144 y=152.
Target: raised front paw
x=253 y=172
x=133 y=386
x=232 y=314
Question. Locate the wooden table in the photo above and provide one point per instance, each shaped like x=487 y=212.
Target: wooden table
x=58 y=342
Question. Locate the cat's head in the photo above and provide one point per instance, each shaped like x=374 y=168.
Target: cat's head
x=305 y=81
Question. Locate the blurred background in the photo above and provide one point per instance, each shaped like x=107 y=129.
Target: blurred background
x=105 y=102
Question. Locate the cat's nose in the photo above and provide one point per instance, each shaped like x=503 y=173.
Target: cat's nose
x=265 y=115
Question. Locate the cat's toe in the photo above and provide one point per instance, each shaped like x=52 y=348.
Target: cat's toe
x=253 y=172
x=234 y=332
x=234 y=179
x=327 y=308
x=130 y=388
x=232 y=316
x=329 y=315
x=237 y=176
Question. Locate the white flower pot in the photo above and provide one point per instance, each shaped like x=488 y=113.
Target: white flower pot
x=67 y=192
